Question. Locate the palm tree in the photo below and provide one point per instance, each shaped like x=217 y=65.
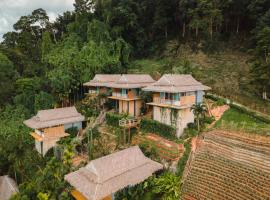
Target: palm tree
x=199 y=111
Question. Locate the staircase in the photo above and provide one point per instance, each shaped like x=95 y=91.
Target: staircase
x=99 y=120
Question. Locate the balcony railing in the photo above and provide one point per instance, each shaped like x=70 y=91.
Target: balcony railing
x=167 y=101
x=118 y=94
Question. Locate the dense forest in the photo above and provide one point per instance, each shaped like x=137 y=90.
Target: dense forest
x=44 y=64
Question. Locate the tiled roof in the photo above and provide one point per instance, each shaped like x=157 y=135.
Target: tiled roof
x=132 y=81
x=103 y=79
x=107 y=175
x=54 y=117
x=174 y=83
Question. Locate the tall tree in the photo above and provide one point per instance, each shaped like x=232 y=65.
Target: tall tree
x=8 y=76
x=82 y=6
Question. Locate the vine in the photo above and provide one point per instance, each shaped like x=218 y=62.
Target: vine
x=162 y=112
x=174 y=116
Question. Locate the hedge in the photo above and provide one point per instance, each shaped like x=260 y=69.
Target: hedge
x=152 y=126
x=112 y=119
x=183 y=160
x=260 y=116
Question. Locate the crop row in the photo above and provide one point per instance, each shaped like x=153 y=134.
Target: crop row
x=229 y=166
x=237 y=143
x=249 y=156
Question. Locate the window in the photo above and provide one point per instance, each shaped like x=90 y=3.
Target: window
x=162 y=95
x=190 y=93
x=124 y=92
x=176 y=97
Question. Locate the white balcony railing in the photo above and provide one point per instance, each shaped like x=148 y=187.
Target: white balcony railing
x=167 y=101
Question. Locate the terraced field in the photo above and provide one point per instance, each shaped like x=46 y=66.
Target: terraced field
x=229 y=166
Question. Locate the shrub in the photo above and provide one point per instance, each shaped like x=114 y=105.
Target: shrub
x=220 y=102
x=191 y=125
x=208 y=120
x=73 y=131
x=152 y=126
x=183 y=161
x=189 y=133
x=149 y=151
x=113 y=119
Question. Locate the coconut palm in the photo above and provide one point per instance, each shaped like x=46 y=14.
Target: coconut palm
x=199 y=111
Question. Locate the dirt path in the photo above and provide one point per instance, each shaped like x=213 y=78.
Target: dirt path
x=217 y=113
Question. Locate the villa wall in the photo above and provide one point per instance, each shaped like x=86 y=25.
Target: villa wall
x=44 y=146
x=128 y=107
x=48 y=144
x=185 y=116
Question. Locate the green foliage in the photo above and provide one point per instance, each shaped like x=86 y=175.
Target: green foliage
x=242 y=109
x=149 y=151
x=73 y=131
x=190 y=132
x=142 y=191
x=113 y=119
x=16 y=155
x=167 y=186
x=46 y=45
x=235 y=119
x=183 y=160
x=8 y=75
x=43 y=196
x=199 y=111
x=43 y=62
x=152 y=126
x=43 y=100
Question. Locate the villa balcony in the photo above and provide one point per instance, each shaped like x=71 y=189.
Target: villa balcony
x=185 y=102
x=166 y=101
x=121 y=96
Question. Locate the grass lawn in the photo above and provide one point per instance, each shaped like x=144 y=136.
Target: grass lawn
x=236 y=120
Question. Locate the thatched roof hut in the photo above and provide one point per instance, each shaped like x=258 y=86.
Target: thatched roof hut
x=54 y=117
x=107 y=175
x=175 y=83
x=130 y=81
x=101 y=80
x=8 y=187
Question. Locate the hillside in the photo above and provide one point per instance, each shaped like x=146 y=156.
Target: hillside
x=226 y=72
x=229 y=165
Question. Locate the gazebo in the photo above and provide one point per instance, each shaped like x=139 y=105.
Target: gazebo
x=104 y=176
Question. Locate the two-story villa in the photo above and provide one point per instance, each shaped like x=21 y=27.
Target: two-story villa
x=98 y=84
x=126 y=92
x=50 y=125
x=173 y=96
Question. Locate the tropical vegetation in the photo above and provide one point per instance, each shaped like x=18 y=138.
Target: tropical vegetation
x=43 y=64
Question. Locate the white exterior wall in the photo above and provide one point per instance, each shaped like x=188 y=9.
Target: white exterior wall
x=48 y=144
x=38 y=146
x=76 y=124
x=185 y=116
x=165 y=118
